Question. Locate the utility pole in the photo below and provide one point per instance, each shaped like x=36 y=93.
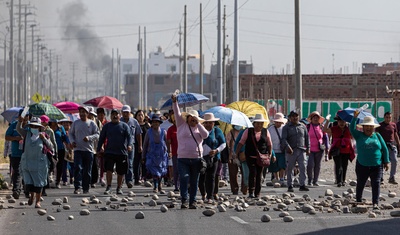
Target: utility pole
x=224 y=80
x=219 y=57
x=201 y=53
x=50 y=76
x=32 y=82
x=5 y=75
x=298 y=91
x=86 y=75
x=180 y=59
x=112 y=72
x=145 y=68
x=38 y=66
x=12 y=101
x=140 y=98
x=19 y=82
x=235 y=85
x=185 y=52
x=57 y=72
x=73 y=81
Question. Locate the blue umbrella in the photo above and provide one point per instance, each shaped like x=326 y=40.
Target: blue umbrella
x=230 y=116
x=348 y=113
x=186 y=100
x=11 y=114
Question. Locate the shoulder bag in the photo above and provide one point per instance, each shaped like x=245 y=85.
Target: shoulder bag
x=203 y=163
x=263 y=160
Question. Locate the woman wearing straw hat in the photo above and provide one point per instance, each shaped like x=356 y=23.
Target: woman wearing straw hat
x=190 y=135
x=212 y=147
x=34 y=162
x=318 y=146
x=372 y=153
x=259 y=138
x=278 y=168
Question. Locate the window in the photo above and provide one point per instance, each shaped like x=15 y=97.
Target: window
x=171 y=68
x=159 y=80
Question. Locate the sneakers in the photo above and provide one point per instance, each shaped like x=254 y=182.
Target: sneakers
x=108 y=190
x=392 y=180
x=85 y=192
x=58 y=185
x=77 y=191
x=316 y=184
x=193 y=206
x=176 y=190
x=93 y=186
x=304 y=188
x=119 y=191
x=184 y=205
x=15 y=195
x=375 y=207
x=290 y=189
x=129 y=184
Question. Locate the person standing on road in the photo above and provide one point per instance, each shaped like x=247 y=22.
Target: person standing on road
x=95 y=166
x=278 y=168
x=101 y=116
x=62 y=140
x=372 y=155
x=234 y=164
x=190 y=134
x=51 y=156
x=296 y=143
x=17 y=143
x=139 y=168
x=212 y=147
x=388 y=131
x=172 y=141
x=318 y=147
x=119 y=144
x=155 y=152
x=136 y=132
x=255 y=138
x=34 y=161
x=83 y=133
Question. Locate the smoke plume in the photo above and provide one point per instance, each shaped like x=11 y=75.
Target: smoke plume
x=78 y=31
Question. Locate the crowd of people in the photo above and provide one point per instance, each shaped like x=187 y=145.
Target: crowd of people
x=184 y=150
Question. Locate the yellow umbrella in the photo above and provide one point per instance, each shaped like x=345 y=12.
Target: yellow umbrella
x=249 y=108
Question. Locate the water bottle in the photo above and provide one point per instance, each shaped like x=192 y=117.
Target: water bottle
x=176 y=92
x=362 y=108
x=26 y=109
x=328 y=117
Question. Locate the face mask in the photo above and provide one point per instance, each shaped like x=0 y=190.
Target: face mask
x=35 y=131
x=238 y=128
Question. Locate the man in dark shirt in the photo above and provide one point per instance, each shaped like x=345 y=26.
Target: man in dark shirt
x=388 y=131
x=296 y=142
x=119 y=145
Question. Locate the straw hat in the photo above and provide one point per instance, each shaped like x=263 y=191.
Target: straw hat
x=315 y=113
x=368 y=121
x=209 y=117
x=259 y=118
x=279 y=117
x=192 y=113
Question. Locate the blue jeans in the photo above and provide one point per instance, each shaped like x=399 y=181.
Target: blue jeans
x=129 y=173
x=365 y=172
x=83 y=161
x=189 y=171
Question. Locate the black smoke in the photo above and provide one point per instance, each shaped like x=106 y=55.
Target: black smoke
x=78 y=31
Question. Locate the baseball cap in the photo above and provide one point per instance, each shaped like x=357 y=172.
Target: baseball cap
x=126 y=108
x=84 y=108
x=114 y=111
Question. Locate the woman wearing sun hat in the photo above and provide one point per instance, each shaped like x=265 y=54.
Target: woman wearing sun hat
x=190 y=135
x=318 y=139
x=34 y=162
x=278 y=168
x=372 y=154
x=155 y=152
x=262 y=139
x=212 y=147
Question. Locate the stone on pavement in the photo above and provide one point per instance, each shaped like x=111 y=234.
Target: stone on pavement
x=265 y=218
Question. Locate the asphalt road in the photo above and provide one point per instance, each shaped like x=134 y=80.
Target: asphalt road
x=23 y=219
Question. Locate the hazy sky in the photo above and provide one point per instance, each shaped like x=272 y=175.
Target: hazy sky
x=334 y=34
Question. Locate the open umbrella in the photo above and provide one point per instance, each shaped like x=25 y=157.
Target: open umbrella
x=67 y=106
x=186 y=100
x=348 y=113
x=51 y=111
x=107 y=102
x=231 y=116
x=11 y=114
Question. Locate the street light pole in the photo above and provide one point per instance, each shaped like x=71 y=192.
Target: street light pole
x=5 y=73
x=11 y=53
x=32 y=82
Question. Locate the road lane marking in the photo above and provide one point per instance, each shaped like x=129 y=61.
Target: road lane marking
x=239 y=220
